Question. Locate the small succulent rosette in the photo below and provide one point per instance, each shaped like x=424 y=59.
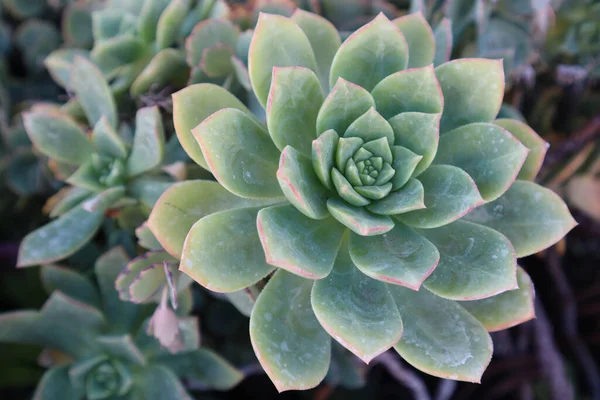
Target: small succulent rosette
x=98 y=347
x=112 y=168
x=384 y=193
x=138 y=44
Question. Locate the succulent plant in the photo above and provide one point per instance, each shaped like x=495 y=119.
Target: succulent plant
x=133 y=41
x=383 y=193
x=116 y=166
x=98 y=347
x=148 y=276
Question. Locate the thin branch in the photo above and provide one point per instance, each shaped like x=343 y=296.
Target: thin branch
x=405 y=376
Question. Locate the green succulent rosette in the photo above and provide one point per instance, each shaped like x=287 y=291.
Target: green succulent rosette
x=383 y=193
x=98 y=347
x=109 y=166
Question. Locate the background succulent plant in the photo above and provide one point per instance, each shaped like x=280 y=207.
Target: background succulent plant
x=99 y=347
x=389 y=205
x=114 y=167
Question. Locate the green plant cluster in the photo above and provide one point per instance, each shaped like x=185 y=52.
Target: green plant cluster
x=344 y=174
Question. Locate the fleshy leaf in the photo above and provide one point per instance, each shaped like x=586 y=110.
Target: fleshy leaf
x=475 y=262
x=344 y=104
x=401 y=256
x=440 y=337
x=147 y=284
x=376 y=50
x=536 y=145
x=59 y=64
x=55 y=384
x=323 y=155
x=358 y=219
x=405 y=163
x=277 y=42
x=450 y=193
x=292 y=107
x=204 y=366
x=107 y=141
x=301 y=185
x=182 y=205
x=206 y=34
x=60 y=238
x=290 y=344
x=122 y=346
x=157 y=382
x=223 y=252
x=324 y=40
x=240 y=154
x=346 y=191
x=489 y=154
x=216 y=61
x=70 y=283
x=443 y=41
x=473 y=90
x=529 y=215
x=409 y=197
x=193 y=105
x=412 y=90
x=122 y=316
x=419 y=37
x=135 y=267
x=50 y=131
x=104 y=200
x=92 y=92
x=419 y=133
x=301 y=245
x=357 y=311
x=370 y=126
x=168 y=67
x=169 y=23
x=148 y=142
x=63 y=324
x=506 y=309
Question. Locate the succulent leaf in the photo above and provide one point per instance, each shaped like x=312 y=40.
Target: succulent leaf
x=121 y=315
x=419 y=38
x=506 y=309
x=370 y=54
x=55 y=384
x=104 y=200
x=167 y=67
x=59 y=62
x=92 y=92
x=324 y=40
x=419 y=133
x=158 y=382
x=536 y=145
x=290 y=344
x=491 y=156
x=203 y=366
x=530 y=216
x=473 y=90
x=440 y=337
x=239 y=153
x=169 y=23
x=107 y=141
x=123 y=347
x=411 y=90
x=357 y=311
x=277 y=42
x=300 y=184
x=49 y=131
x=148 y=142
x=460 y=274
x=299 y=244
x=370 y=126
x=294 y=101
x=443 y=41
x=69 y=283
x=178 y=209
x=60 y=238
x=324 y=149
x=213 y=256
x=409 y=197
x=193 y=105
x=401 y=256
x=358 y=219
x=450 y=193
x=344 y=104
